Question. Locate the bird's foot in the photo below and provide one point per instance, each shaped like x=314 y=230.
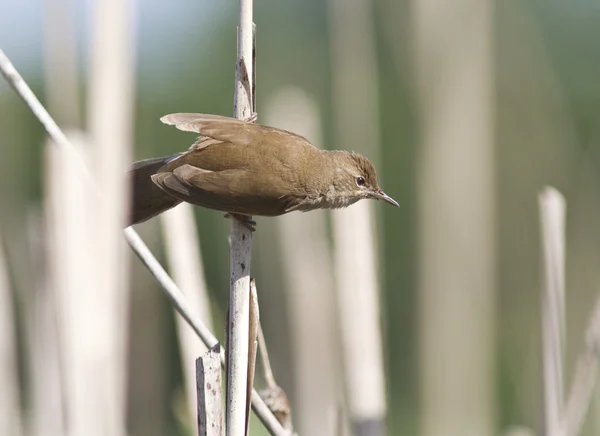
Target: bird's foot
x=252 y=118
x=245 y=220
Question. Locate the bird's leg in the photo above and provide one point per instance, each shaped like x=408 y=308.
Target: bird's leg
x=252 y=118
x=246 y=221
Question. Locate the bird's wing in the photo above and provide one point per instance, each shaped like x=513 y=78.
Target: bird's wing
x=228 y=190
x=189 y=122
x=195 y=185
x=226 y=129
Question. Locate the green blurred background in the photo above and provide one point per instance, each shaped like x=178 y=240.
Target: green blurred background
x=546 y=114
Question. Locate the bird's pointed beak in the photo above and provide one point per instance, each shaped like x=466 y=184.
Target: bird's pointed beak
x=380 y=195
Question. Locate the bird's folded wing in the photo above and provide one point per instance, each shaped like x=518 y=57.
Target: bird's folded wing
x=229 y=190
x=201 y=187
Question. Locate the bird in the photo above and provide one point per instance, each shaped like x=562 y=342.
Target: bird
x=247 y=169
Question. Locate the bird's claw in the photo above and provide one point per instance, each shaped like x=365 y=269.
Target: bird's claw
x=245 y=220
x=252 y=118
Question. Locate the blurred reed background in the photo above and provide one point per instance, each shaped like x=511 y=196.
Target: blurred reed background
x=468 y=108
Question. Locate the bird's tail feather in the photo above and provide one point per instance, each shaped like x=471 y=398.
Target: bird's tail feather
x=147 y=200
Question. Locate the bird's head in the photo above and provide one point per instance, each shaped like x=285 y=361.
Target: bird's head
x=355 y=179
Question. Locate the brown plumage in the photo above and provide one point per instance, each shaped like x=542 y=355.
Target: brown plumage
x=249 y=169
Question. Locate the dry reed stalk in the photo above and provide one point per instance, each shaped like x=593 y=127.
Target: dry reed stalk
x=456 y=201
x=304 y=246
x=356 y=264
x=185 y=261
x=240 y=247
x=552 y=216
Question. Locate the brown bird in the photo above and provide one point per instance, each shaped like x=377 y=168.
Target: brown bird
x=246 y=169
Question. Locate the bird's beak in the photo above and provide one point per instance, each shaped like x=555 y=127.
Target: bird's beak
x=380 y=195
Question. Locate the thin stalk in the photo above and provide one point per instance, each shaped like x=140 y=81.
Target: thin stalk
x=241 y=248
x=552 y=215
x=182 y=244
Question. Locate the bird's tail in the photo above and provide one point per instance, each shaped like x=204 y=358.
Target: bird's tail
x=147 y=199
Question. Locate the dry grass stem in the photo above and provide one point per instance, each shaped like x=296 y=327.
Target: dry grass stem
x=552 y=216
x=456 y=198
x=185 y=262
x=252 y=345
x=355 y=97
x=240 y=247
x=304 y=246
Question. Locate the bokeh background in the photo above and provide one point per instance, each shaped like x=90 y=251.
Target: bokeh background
x=469 y=110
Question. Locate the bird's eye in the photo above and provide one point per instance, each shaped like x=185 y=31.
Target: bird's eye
x=360 y=181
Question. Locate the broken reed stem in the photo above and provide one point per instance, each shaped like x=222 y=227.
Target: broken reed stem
x=563 y=419
x=552 y=216
x=23 y=90
x=252 y=347
x=208 y=389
